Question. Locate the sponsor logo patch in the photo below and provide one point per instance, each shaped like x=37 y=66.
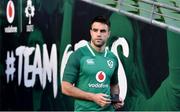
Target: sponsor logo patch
x=90 y=61
x=100 y=76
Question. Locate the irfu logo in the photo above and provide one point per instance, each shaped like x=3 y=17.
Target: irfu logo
x=29 y=10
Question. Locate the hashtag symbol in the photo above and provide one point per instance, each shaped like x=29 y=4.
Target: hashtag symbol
x=10 y=66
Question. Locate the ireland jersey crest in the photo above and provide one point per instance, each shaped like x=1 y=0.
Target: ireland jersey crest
x=110 y=63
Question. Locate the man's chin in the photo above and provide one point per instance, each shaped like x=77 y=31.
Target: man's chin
x=98 y=45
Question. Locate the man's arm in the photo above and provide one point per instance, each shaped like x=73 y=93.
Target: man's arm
x=70 y=90
x=115 y=89
x=118 y=103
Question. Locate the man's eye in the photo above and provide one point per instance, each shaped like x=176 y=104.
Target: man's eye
x=95 y=30
x=102 y=31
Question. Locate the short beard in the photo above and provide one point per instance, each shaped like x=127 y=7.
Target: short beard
x=98 y=45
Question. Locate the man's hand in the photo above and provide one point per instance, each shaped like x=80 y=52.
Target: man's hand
x=119 y=104
x=101 y=99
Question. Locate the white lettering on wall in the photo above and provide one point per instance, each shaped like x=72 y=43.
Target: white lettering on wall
x=50 y=67
x=121 y=72
x=37 y=69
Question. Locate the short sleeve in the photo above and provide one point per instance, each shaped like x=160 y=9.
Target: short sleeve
x=72 y=68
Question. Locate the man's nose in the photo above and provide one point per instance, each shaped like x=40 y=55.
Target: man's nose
x=98 y=32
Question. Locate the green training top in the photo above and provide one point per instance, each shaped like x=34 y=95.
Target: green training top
x=91 y=71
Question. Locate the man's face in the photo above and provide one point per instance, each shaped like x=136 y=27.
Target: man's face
x=99 y=34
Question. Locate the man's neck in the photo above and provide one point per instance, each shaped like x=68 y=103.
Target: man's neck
x=98 y=49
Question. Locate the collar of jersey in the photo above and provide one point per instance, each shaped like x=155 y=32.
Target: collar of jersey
x=94 y=52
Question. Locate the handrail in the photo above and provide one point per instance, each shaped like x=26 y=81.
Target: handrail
x=142 y=18
x=178 y=19
x=161 y=5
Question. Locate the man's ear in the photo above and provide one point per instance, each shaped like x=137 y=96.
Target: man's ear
x=109 y=33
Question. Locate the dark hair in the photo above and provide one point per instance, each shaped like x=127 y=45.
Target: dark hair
x=101 y=19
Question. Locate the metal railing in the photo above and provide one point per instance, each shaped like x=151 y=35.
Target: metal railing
x=152 y=12
x=161 y=5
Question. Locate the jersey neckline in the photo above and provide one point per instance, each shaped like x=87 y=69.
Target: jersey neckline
x=94 y=52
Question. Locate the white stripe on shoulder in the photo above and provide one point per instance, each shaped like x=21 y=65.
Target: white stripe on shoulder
x=91 y=50
x=106 y=49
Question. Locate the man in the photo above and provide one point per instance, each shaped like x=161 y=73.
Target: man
x=90 y=75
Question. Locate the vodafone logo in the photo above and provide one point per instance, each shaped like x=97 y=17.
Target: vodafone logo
x=100 y=76
x=10 y=12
